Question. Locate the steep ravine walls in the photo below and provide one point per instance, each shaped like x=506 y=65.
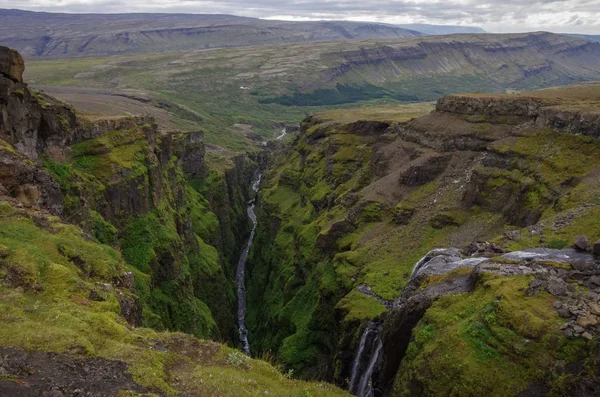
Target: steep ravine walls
x=148 y=193
x=348 y=210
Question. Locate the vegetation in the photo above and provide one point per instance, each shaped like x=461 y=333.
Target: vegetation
x=42 y=288
x=496 y=340
x=283 y=83
x=339 y=95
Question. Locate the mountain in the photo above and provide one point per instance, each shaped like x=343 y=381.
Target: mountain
x=50 y=34
x=585 y=36
x=440 y=29
x=223 y=91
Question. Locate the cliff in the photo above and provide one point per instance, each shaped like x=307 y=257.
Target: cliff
x=360 y=197
x=114 y=232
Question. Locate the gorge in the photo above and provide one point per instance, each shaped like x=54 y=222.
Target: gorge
x=389 y=250
x=241 y=272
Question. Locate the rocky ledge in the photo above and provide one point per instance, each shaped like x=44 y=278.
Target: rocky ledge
x=571 y=114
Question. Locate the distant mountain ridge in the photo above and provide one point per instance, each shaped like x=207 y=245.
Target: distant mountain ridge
x=59 y=35
x=440 y=29
x=591 y=37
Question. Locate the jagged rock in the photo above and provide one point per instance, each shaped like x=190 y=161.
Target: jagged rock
x=426 y=170
x=581 y=243
x=534 y=287
x=514 y=235
x=131 y=308
x=557 y=304
x=596 y=248
x=557 y=286
x=192 y=158
x=127 y=280
x=564 y=312
x=11 y=64
x=29 y=184
x=587 y=320
x=485 y=248
x=587 y=335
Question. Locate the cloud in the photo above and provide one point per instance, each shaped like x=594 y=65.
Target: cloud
x=581 y=16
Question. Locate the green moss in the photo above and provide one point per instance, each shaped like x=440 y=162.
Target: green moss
x=558 y=244
x=103 y=157
x=358 y=306
x=19 y=93
x=146 y=235
x=62 y=172
x=57 y=317
x=105 y=232
x=496 y=341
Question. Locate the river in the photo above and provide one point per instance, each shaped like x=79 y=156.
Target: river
x=241 y=272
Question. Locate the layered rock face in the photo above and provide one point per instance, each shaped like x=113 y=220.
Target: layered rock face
x=129 y=185
x=568 y=115
x=349 y=211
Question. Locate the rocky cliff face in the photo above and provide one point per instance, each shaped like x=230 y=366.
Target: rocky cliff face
x=350 y=209
x=130 y=186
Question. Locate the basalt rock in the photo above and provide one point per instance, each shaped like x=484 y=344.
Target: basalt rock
x=11 y=64
x=28 y=184
x=581 y=243
x=596 y=249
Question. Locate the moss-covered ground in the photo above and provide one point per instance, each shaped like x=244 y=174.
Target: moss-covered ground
x=45 y=305
x=335 y=213
x=495 y=341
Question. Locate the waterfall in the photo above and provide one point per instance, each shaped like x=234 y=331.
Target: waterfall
x=365 y=360
x=241 y=272
x=283 y=133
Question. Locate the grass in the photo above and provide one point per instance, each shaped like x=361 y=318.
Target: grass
x=496 y=340
x=358 y=307
x=44 y=306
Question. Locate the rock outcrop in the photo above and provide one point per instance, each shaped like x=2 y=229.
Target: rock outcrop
x=12 y=65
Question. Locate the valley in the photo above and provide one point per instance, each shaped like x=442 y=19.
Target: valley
x=270 y=86
x=196 y=205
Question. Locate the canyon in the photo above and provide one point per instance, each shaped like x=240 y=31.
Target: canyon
x=388 y=250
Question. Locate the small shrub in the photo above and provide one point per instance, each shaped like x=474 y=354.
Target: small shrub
x=239 y=360
x=289 y=374
x=558 y=244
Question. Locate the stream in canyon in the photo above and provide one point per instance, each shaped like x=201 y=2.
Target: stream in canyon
x=241 y=272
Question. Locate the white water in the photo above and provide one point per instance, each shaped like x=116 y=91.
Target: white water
x=241 y=272
x=369 y=348
x=283 y=133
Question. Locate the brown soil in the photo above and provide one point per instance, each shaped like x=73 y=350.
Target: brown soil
x=28 y=374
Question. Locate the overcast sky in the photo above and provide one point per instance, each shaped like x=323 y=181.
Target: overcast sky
x=574 y=16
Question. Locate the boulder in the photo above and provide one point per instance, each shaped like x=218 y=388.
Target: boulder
x=557 y=286
x=581 y=243
x=596 y=248
x=11 y=64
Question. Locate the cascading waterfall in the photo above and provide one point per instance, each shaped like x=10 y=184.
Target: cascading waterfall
x=241 y=272
x=365 y=360
x=283 y=133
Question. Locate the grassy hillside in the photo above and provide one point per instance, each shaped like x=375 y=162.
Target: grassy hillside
x=360 y=196
x=46 y=305
x=224 y=90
